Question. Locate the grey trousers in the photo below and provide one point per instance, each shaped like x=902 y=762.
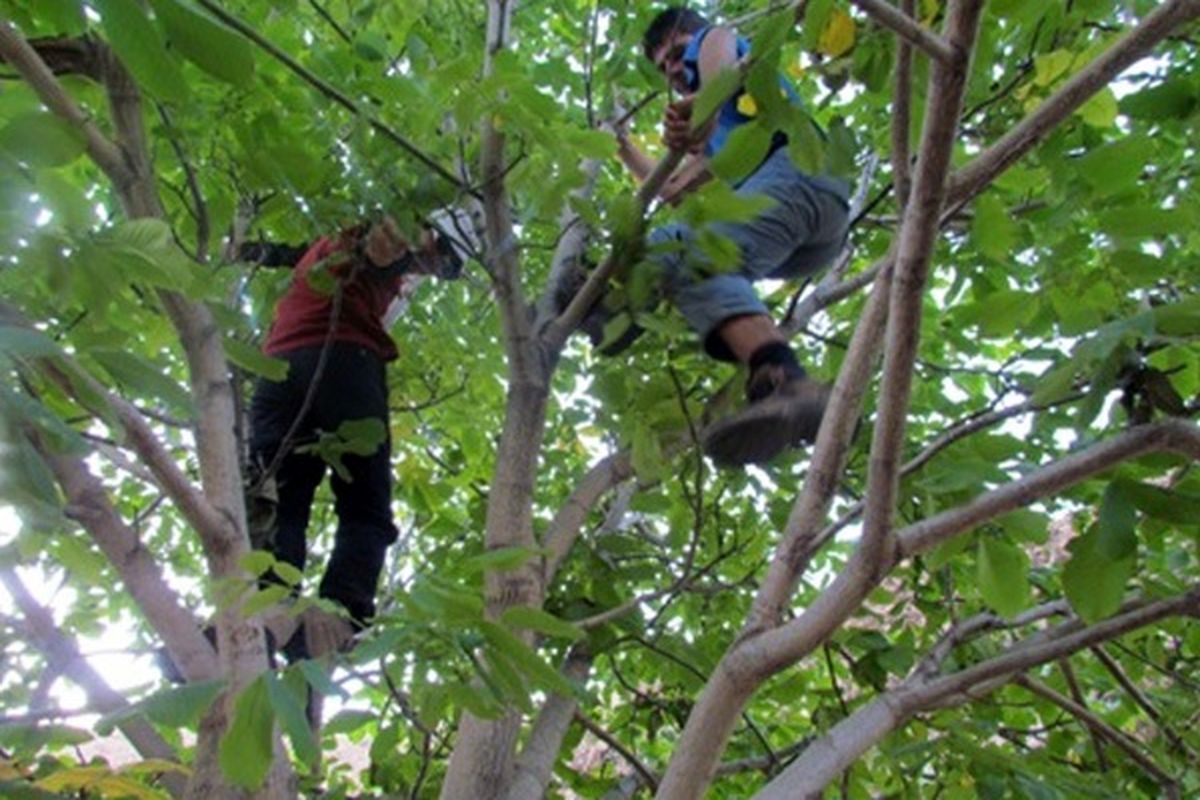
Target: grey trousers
x=802 y=232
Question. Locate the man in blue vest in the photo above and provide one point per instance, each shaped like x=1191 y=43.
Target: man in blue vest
x=802 y=231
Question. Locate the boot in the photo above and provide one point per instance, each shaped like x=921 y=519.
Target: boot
x=784 y=410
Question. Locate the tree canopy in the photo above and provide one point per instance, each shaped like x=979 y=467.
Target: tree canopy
x=981 y=580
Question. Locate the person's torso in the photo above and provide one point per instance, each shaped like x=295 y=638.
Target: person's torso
x=304 y=314
x=740 y=108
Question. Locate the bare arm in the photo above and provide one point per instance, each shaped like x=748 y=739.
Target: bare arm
x=632 y=157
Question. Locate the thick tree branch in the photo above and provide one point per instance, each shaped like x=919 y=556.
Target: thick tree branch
x=64 y=656
x=832 y=753
x=78 y=384
x=604 y=476
x=909 y=29
x=902 y=114
x=88 y=504
x=1174 y=435
x=482 y=759
x=535 y=765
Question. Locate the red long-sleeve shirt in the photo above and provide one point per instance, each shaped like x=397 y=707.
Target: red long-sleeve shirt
x=302 y=316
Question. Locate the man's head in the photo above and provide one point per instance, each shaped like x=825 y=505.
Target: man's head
x=666 y=40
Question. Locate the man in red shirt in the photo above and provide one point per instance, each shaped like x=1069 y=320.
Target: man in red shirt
x=329 y=328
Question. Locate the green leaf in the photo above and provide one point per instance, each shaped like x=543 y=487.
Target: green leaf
x=1049 y=67
x=42 y=139
x=255 y=361
x=816 y=19
x=245 y=753
x=993 y=229
x=500 y=559
x=141 y=49
x=1172 y=99
x=347 y=721
x=176 y=707
x=288 y=698
x=257 y=562
x=1117 y=522
x=1141 y=222
x=65 y=15
x=318 y=679
x=1003 y=576
x=535 y=619
x=713 y=94
x=362 y=437
x=449 y=605
x=647 y=455
x=1114 y=167
x=137 y=376
x=66 y=199
x=744 y=150
x=208 y=44
x=1101 y=111
x=1171 y=506
x=21 y=341
x=1093 y=582
x=1178 y=319
x=525 y=658
x=370 y=46
x=265 y=598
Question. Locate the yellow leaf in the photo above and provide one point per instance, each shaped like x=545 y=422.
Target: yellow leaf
x=795 y=69
x=1101 y=110
x=838 y=36
x=746 y=105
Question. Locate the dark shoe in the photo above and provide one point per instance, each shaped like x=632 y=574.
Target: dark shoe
x=785 y=410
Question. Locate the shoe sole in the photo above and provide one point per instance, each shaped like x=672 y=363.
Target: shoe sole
x=760 y=432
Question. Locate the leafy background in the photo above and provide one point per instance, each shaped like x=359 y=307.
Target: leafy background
x=1070 y=284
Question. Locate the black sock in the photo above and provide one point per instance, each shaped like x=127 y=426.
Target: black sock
x=775 y=353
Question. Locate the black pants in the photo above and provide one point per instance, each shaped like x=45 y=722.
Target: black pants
x=352 y=386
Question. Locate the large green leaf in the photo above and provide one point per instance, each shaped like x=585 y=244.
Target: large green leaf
x=1095 y=583
x=42 y=139
x=210 y=45
x=1003 y=576
x=254 y=361
x=140 y=47
x=245 y=752
x=288 y=698
x=525 y=658
x=535 y=619
x=1116 y=523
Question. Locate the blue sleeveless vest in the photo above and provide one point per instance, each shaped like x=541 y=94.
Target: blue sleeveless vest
x=729 y=117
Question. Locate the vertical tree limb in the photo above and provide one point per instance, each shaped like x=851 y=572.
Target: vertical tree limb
x=902 y=114
x=535 y=765
x=918 y=233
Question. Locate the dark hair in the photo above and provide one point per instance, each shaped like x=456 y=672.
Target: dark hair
x=676 y=19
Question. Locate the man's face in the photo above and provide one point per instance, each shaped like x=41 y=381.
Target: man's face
x=668 y=59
